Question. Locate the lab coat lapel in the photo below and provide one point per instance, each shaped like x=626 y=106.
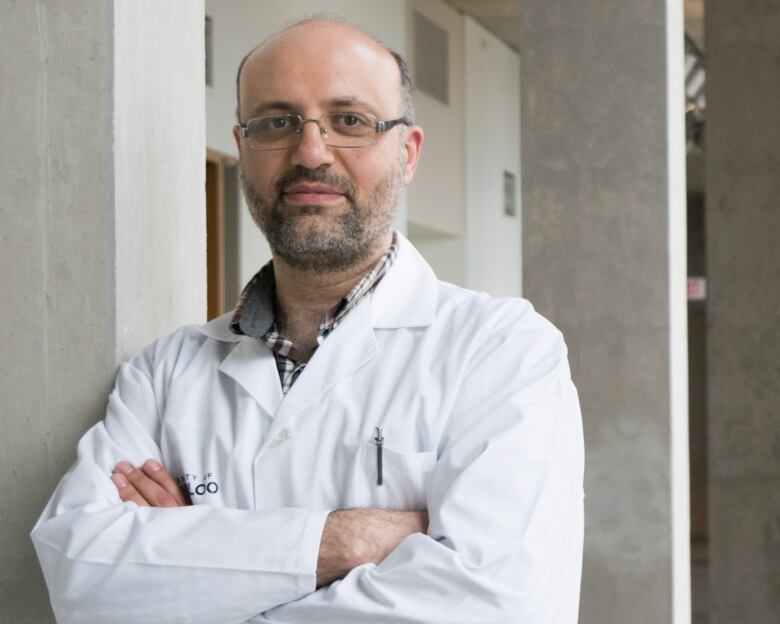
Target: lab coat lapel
x=405 y=297
x=252 y=365
x=351 y=345
x=408 y=294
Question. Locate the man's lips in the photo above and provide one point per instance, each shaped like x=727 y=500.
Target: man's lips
x=309 y=193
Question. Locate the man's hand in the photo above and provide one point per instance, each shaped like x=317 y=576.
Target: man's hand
x=352 y=537
x=150 y=486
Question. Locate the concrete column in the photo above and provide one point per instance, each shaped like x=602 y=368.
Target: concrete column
x=603 y=195
x=102 y=227
x=743 y=309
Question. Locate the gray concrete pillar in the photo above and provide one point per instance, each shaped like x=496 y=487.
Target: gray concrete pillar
x=102 y=226
x=603 y=195
x=743 y=309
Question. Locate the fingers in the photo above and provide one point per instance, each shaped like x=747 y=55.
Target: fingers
x=151 y=487
x=126 y=491
x=157 y=473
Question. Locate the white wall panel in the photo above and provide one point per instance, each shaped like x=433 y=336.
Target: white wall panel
x=160 y=217
x=437 y=197
x=492 y=148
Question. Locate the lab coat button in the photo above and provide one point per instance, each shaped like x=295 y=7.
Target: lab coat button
x=280 y=439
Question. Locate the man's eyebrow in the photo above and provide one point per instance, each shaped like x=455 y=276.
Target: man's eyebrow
x=272 y=105
x=342 y=102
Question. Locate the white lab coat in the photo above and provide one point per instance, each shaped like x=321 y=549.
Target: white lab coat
x=481 y=427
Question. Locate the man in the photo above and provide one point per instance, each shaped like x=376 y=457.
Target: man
x=358 y=441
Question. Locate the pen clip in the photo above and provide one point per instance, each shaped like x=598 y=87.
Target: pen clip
x=379 y=440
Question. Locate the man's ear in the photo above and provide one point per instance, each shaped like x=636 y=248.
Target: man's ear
x=412 y=144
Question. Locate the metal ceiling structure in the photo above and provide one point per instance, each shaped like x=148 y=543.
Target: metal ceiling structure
x=502 y=18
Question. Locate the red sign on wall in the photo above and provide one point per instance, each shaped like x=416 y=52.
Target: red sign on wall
x=697 y=288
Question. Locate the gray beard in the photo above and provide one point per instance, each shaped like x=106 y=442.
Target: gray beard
x=354 y=235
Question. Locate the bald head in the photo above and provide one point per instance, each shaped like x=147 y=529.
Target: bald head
x=325 y=196
x=322 y=37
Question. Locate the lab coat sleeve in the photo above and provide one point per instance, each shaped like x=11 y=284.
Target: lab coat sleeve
x=109 y=561
x=505 y=501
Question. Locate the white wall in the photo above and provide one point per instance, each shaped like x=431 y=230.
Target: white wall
x=437 y=197
x=445 y=254
x=456 y=206
x=437 y=201
x=492 y=147
x=237 y=27
x=160 y=217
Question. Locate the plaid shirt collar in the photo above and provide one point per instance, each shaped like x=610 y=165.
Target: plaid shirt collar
x=254 y=314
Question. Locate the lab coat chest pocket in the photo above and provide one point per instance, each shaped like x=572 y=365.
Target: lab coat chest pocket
x=405 y=477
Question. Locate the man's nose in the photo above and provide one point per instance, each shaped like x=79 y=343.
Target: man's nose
x=312 y=152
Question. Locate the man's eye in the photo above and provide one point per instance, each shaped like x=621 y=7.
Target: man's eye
x=350 y=123
x=277 y=123
x=272 y=125
x=349 y=120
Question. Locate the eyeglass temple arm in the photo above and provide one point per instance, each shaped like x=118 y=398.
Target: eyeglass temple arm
x=384 y=126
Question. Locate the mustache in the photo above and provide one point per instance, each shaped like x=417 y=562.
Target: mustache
x=302 y=174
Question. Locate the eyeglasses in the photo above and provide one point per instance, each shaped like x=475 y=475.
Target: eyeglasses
x=337 y=129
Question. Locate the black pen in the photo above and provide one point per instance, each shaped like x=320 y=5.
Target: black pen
x=379 y=440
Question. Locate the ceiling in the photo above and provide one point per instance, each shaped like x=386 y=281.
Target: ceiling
x=502 y=18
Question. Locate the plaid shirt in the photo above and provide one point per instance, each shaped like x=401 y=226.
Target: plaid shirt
x=254 y=314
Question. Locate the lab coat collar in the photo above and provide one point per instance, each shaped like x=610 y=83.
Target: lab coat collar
x=407 y=295
x=219 y=329
x=253 y=366
x=250 y=363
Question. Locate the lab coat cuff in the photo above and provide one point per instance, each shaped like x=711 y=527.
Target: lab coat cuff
x=310 y=549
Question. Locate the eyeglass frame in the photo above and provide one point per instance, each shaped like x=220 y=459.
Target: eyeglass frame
x=380 y=127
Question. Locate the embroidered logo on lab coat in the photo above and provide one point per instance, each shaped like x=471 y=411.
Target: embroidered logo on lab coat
x=198 y=484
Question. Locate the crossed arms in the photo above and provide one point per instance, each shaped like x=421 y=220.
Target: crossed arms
x=350 y=537
x=504 y=529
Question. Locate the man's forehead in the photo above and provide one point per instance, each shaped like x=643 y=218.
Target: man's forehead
x=321 y=36
x=329 y=57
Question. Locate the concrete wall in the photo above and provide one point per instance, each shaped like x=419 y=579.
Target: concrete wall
x=743 y=338
x=604 y=258
x=58 y=340
x=93 y=236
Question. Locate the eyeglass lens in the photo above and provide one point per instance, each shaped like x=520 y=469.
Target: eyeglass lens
x=337 y=129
